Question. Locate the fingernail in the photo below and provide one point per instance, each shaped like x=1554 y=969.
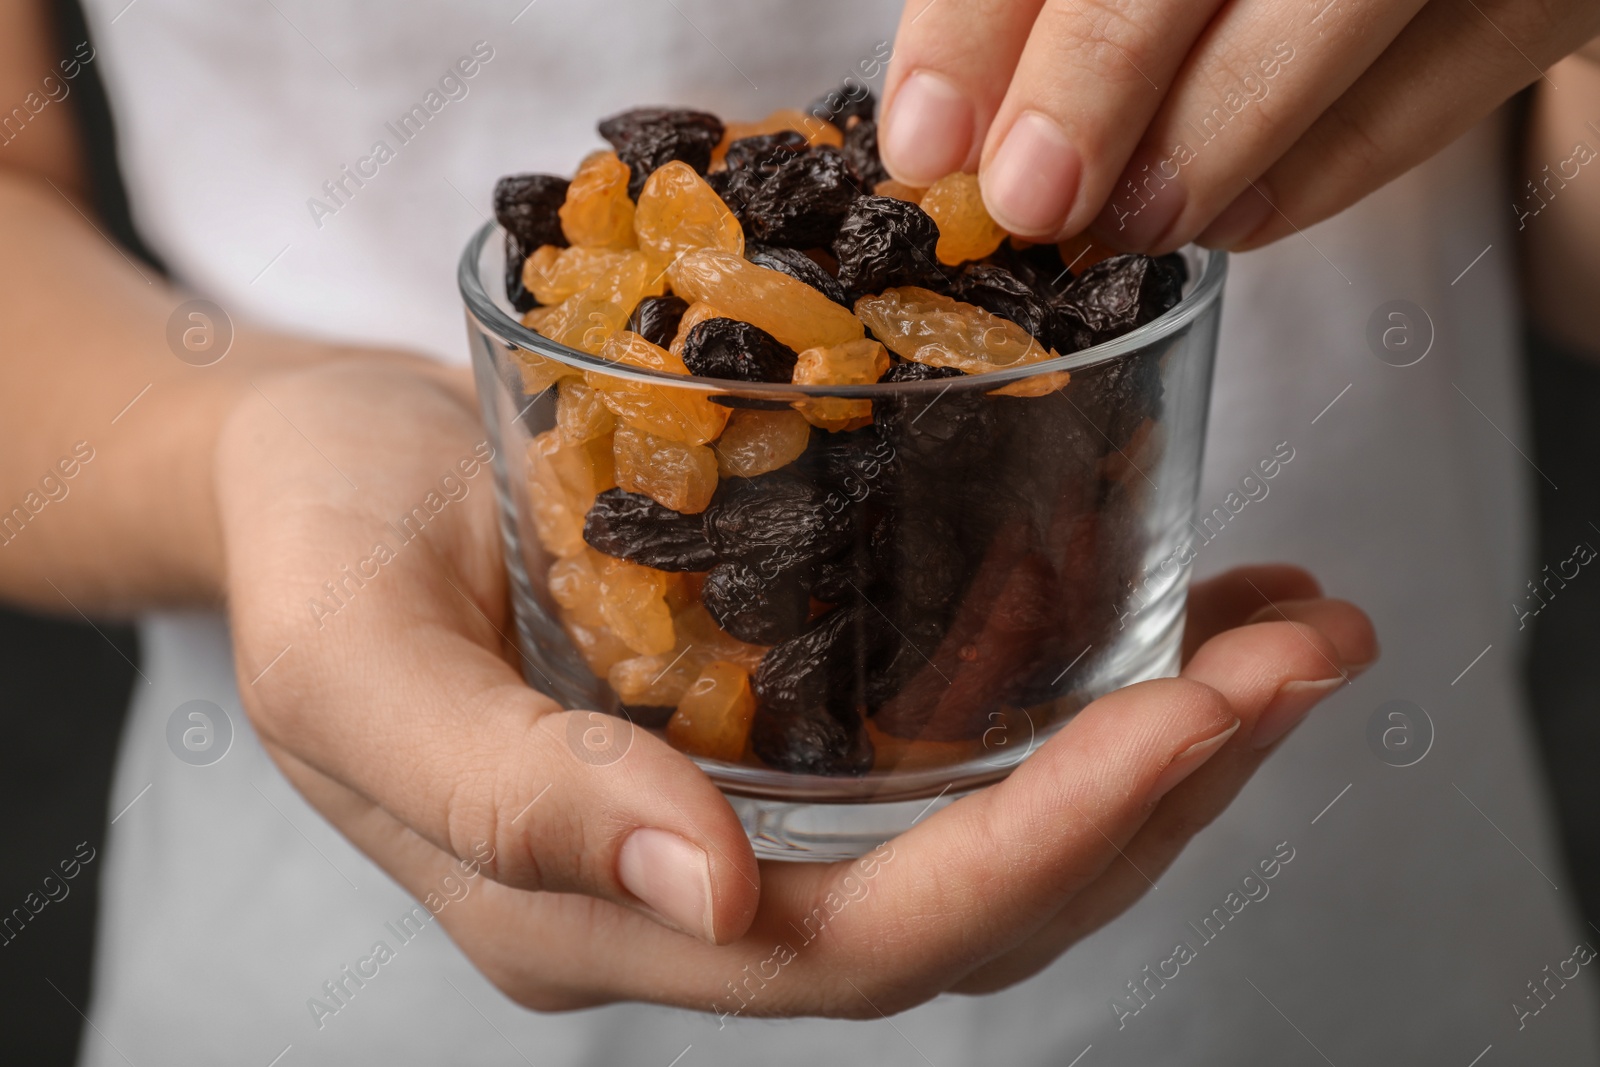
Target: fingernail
x=928 y=131
x=671 y=876
x=1238 y=220
x=1288 y=707
x=1143 y=206
x=1030 y=183
x=1190 y=760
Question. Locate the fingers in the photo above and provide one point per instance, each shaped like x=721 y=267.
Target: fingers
x=1271 y=674
x=1255 y=81
x=1092 y=75
x=1408 y=105
x=1233 y=598
x=397 y=690
x=952 y=61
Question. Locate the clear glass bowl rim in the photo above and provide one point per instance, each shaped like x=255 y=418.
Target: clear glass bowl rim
x=492 y=319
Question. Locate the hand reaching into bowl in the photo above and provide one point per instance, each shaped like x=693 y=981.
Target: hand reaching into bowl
x=1158 y=122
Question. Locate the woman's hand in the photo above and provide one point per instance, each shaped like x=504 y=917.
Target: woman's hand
x=396 y=706
x=1157 y=122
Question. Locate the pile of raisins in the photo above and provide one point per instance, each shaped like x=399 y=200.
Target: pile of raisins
x=941 y=563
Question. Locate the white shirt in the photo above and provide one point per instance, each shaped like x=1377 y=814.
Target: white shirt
x=1419 y=901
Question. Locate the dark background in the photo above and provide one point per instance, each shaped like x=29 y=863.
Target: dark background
x=65 y=683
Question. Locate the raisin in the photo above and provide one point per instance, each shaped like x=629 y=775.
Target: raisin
x=851 y=100
x=678 y=211
x=966 y=231
x=516 y=293
x=810 y=688
x=737 y=351
x=633 y=527
x=1123 y=293
x=647 y=138
x=860 y=362
x=763 y=152
x=919 y=372
x=754 y=607
x=905 y=651
x=803 y=201
x=656 y=318
x=851 y=467
x=1039 y=267
x=563 y=480
x=755 y=442
x=633 y=603
x=810 y=741
x=816 y=131
x=664 y=410
x=681 y=476
x=597 y=212
x=552 y=274
x=793 y=312
x=588 y=318
x=951 y=427
x=581 y=415
x=1115 y=396
x=996 y=289
x=799 y=266
x=780 y=520
x=844 y=579
x=928 y=327
x=713 y=718
x=529 y=205
x=884 y=242
x=922 y=563
x=574 y=583
x=600 y=648
x=860 y=150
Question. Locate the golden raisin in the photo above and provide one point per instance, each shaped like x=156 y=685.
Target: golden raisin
x=1035 y=385
x=552 y=274
x=713 y=717
x=580 y=414
x=663 y=410
x=900 y=191
x=790 y=310
x=540 y=372
x=853 y=363
x=756 y=442
x=600 y=648
x=590 y=316
x=574 y=583
x=563 y=481
x=598 y=212
x=678 y=211
x=928 y=327
x=699 y=631
x=634 y=606
x=675 y=475
x=965 y=229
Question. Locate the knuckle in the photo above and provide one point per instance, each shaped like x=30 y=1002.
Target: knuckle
x=1106 y=36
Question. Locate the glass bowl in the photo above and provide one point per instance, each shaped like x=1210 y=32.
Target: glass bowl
x=986 y=557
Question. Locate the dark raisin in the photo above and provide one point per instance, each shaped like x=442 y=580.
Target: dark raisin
x=737 y=351
x=527 y=205
x=852 y=100
x=810 y=741
x=649 y=716
x=823 y=670
x=778 y=521
x=516 y=292
x=650 y=137
x=910 y=371
x=634 y=527
x=885 y=242
x=953 y=428
x=998 y=290
x=1039 y=267
x=860 y=150
x=656 y=318
x=906 y=650
x=799 y=266
x=763 y=152
x=1115 y=396
x=803 y=201
x=851 y=467
x=844 y=580
x=1122 y=293
x=921 y=562
x=755 y=607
